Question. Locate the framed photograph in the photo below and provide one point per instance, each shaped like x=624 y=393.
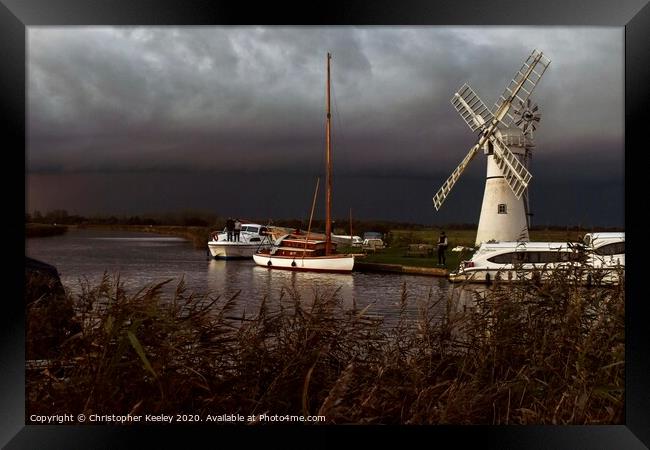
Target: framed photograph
x=193 y=172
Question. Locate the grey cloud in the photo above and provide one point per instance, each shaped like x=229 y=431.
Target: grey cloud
x=251 y=99
x=125 y=96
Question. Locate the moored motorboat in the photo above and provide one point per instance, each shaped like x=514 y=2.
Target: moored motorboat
x=349 y=240
x=599 y=258
x=252 y=238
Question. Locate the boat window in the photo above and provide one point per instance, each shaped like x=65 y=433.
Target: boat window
x=551 y=257
x=503 y=209
x=526 y=257
x=504 y=258
x=617 y=248
x=253 y=229
x=535 y=257
x=254 y=239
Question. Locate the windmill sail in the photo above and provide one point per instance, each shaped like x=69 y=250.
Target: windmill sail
x=476 y=115
x=471 y=108
x=521 y=86
x=515 y=173
x=442 y=193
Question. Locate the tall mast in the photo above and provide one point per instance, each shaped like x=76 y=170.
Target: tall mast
x=328 y=169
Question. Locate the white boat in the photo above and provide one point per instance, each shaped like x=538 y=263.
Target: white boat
x=600 y=258
x=253 y=237
x=346 y=239
x=303 y=253
x=606 y=250
x=310 y=251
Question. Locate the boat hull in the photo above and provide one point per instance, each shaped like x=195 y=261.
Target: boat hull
x=601 y=276
x=232 y=250
x=332 y=263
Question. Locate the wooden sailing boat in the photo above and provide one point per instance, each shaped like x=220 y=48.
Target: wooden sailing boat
x=311 y=251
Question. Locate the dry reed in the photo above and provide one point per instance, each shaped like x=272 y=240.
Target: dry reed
x=530 y=353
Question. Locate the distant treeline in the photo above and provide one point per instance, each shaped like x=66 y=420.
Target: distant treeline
x=196 y=218
x=44 y=230
x=183 y=218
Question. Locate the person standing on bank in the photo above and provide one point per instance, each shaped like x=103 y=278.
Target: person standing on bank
x=442 y=246
x=237 y=229
x=230 y=227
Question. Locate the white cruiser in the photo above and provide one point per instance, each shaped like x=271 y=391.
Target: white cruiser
x=253 y=237
x=601 y=254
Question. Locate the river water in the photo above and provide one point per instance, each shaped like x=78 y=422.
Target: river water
x=143 y=258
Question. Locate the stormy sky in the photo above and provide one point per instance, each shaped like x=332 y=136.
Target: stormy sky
x=125 y=120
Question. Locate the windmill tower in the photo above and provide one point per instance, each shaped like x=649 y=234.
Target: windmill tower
x=504 y=209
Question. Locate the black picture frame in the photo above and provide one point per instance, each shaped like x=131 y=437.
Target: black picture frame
x=16 y=15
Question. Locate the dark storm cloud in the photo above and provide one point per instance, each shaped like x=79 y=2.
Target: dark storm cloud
x=131 y=119
x=112 y=99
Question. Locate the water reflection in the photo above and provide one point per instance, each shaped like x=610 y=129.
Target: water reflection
x=380 y=293
x=255 y=283
x=307 y=285
x=464 y=297
x=142 y=258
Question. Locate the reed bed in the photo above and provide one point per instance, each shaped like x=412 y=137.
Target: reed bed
x=531 y=353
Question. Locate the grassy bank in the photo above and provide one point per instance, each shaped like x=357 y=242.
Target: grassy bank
x=524 y=354
x=398 y=255
x=466 y=238
x=33 y=230
x=399 y=241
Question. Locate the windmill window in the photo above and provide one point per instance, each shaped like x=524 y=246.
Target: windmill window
x=503 y=208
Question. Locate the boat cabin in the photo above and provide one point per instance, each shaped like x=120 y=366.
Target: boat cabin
x=299 y=245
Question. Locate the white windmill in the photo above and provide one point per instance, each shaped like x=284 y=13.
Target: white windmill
x=504 y=210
